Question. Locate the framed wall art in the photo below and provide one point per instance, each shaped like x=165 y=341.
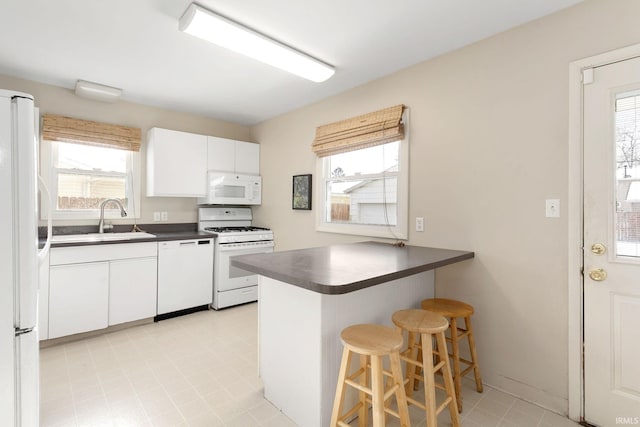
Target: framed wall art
x=301 y=197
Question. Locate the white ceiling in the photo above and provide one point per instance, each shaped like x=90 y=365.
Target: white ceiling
x=135 y=45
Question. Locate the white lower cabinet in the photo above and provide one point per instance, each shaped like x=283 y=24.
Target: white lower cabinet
x=132 y=289
x=93 y=287
x=78 y=298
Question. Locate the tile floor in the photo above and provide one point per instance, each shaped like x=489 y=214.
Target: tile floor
x=201 y=370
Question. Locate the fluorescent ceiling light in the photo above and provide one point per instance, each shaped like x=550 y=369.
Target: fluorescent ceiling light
x=97 y=91
x=216 y=29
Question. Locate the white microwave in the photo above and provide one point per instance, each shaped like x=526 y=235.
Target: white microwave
x=232 y=189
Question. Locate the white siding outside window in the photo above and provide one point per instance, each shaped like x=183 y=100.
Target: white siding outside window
x=365 y=192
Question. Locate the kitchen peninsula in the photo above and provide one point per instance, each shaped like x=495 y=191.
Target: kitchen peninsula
x=308 y=296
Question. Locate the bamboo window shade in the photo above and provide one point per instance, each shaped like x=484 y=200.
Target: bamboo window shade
x=367 y=130
x=67 y=129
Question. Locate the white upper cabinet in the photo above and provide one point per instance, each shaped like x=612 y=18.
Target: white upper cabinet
x=221 y=154
x=228 y=155
x=247 y=158
x=176 y=163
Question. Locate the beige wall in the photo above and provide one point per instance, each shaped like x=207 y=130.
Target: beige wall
x=489 y=143
x=57 y=100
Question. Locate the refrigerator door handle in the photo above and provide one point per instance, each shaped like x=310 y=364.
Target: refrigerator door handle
x=42 y=253
x=25 y=187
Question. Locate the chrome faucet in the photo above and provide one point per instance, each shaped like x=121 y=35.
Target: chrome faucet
x=123 y=213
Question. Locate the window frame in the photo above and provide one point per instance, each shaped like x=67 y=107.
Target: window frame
x=400 y=231
x=48 y=156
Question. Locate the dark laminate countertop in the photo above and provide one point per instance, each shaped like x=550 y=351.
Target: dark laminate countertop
x=338 y=269
x=162 y=232
x=159 y=237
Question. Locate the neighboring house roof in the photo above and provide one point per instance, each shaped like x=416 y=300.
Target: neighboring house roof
x=360 y=184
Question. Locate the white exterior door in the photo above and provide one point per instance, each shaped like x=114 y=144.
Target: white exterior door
x=612 y=244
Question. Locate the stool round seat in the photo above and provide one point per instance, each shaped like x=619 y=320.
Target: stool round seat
x=370 y=339
x=447 y=307
x=420 y=321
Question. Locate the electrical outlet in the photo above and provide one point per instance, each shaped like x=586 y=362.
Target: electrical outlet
x=419 y=223
x=164 y=216
x=156 y=216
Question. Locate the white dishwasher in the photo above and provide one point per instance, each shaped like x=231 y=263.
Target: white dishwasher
x=185 y=274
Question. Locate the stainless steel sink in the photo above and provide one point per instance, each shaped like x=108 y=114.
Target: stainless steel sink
x=99 y=237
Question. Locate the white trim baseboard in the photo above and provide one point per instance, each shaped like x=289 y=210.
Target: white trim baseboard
x=522 y=391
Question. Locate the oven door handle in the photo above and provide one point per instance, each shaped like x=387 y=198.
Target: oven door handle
x=243 y=246
x=260 y=248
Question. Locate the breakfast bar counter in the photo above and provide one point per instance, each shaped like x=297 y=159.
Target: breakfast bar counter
x=339 y=269
x=307 y=296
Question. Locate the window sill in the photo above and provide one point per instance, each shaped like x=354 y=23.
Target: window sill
x=364 y=230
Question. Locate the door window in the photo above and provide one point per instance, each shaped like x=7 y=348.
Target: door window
x=627 y=176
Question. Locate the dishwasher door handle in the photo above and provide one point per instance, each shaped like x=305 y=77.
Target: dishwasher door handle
x=187 y=243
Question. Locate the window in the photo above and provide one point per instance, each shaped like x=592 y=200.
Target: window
x=83 y=176
x=627 y=134
x=85 y=163
x=364 y=165
x=365 y=191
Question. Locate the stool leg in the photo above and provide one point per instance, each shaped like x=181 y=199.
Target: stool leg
x=429 y=380
x=456 y=361
x=418 y=373
x=377 y=389
x=340 y=388
x=448 y=381
x=401 y=397
x=411 y=371
x=363 y=412
x=474 y=356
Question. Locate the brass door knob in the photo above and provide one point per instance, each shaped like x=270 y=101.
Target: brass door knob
x=597 y=274
x=598 y=248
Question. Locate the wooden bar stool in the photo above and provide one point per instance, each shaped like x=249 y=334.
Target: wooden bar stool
x=422 y=326
x=372 y=343
x=452 y=309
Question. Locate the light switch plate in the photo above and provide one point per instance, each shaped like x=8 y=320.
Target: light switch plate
x=156 y=216
x=552 y=208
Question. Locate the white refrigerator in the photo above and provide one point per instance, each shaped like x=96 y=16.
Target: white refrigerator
x=19 y=261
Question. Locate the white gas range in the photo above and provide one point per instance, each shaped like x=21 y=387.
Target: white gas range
x=234 y=235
